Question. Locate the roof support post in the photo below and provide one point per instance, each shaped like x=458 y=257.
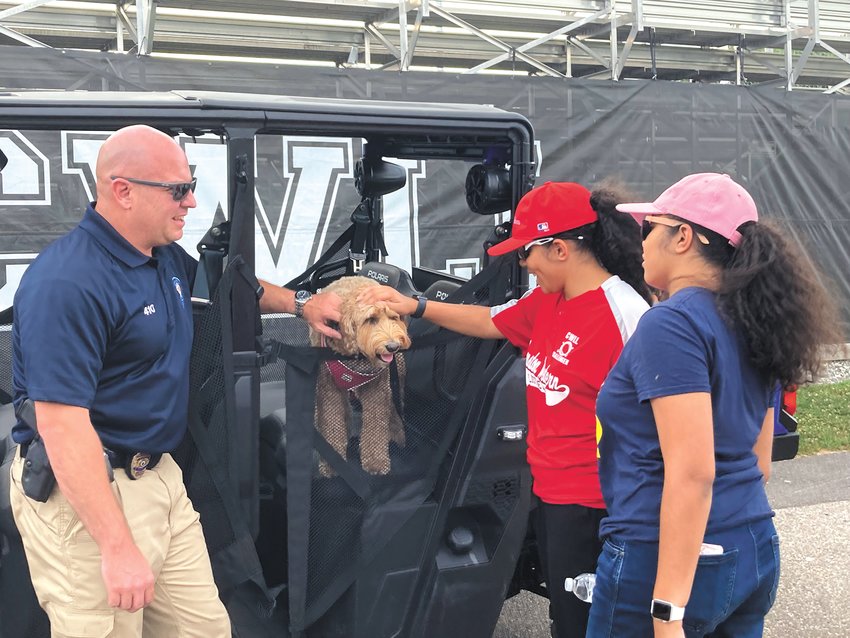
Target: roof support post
x=367 y=49
x=145 y=23
x=402 y=35
x=614 y=63
x=421 y=12
x=814 y=38
x=789 y=50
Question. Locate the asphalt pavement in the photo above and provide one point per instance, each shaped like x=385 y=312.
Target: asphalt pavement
x=811 y=496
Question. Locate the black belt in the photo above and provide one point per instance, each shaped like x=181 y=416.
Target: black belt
x=135 y=464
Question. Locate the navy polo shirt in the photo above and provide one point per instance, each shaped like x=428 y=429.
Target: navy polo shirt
x=102 y=326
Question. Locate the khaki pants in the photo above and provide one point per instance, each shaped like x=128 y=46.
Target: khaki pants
x=65 y=563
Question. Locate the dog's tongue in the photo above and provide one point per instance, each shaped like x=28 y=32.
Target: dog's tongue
x=387 y=358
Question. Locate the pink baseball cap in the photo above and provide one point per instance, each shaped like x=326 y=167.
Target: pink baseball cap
x=547 y=210
x=711 y=200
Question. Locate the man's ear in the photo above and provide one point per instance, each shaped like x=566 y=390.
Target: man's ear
x=120 y=190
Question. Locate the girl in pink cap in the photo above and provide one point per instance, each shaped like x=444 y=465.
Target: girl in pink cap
x=571 y=328
x=687 y=420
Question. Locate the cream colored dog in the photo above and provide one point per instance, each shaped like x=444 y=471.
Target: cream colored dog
x=378 y=335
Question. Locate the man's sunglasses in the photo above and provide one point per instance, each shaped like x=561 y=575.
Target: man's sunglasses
x=179 y=190
x=525 y=251
x=650 y=220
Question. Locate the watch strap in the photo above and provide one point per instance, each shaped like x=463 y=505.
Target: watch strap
x=420 y=306
x=301 y=301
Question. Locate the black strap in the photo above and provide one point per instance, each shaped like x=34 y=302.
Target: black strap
x=336 y=247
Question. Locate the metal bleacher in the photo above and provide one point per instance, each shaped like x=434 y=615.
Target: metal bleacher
x=798 y=43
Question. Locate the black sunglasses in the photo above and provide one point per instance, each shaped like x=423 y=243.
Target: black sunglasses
x=648 y=224
x=179 y=190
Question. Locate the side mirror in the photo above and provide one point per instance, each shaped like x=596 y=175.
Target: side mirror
x=374 y=177
x=488 y=189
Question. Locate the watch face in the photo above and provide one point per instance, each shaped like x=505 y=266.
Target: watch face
x=303 y=295
x=661 y=610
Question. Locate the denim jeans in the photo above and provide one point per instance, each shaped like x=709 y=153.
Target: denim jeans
x=731 y=594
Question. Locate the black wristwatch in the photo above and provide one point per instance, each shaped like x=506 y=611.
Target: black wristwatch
x=301 y=299
x=666 y=611
x=420 y=306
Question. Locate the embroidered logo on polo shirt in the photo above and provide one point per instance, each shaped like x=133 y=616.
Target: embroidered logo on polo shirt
x=538 y=375
x=179 y=290
x=562 y=354
x=149 y=310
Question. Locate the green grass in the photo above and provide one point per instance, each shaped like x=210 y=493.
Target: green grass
x=823 y=411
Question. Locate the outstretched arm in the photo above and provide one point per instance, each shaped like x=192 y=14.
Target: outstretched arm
x=322 y=308
x=474 y=321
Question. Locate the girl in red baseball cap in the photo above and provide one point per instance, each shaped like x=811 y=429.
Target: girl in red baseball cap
x=570 y=328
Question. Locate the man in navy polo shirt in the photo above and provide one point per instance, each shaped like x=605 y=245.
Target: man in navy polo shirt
x=102 y=337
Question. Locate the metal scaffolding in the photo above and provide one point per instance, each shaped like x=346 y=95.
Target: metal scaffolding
x=793 y=43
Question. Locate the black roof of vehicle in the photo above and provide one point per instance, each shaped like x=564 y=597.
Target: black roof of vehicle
x=397 y=126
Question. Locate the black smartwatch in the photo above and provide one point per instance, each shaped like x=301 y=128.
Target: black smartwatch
x=301 y=298
x=420 y=306
x=666 y=611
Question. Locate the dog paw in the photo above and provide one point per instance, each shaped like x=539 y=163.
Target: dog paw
x=378 y=467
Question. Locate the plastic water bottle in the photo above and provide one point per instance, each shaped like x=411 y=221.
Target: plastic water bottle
x=582 y=586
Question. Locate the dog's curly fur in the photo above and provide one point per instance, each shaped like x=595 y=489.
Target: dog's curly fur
x=378 y=335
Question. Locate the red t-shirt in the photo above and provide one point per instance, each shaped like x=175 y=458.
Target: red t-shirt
x=569 y=346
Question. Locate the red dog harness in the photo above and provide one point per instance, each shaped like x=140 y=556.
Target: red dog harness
x=347 y=378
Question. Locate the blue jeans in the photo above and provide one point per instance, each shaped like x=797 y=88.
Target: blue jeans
x=731 y=594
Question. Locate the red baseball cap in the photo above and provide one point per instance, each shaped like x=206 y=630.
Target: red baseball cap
x=547 y=210
x=711 y=200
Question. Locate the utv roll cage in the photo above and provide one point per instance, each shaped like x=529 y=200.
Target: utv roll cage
x=430 y=549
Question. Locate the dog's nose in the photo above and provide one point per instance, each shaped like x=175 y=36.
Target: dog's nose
x=392 y=346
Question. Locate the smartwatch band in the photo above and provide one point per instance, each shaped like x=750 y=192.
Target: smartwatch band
x=420 y=307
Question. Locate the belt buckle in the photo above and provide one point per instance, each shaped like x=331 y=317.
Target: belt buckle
x=138 y=464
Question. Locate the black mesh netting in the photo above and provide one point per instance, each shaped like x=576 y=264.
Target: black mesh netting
x=333 y=505
x=5 y=363
x=206 y=452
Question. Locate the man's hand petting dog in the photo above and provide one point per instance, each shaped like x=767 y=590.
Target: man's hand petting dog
x=389 y=297
x=323 y=308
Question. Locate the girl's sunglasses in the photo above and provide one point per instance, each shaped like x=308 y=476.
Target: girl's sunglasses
x=650 y=220
x=179 y=190
x=525 y=251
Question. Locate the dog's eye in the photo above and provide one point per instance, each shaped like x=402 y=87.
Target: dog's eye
x=372 y=320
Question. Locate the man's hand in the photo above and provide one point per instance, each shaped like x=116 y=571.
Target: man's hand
x=390 y=297
x=128 y=578
x=322 y=308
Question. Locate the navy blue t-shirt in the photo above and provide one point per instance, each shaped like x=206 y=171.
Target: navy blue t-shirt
x=680 y=346
x=102 y=326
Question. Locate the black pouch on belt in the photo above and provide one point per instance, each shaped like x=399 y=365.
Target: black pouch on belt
x=37 y=477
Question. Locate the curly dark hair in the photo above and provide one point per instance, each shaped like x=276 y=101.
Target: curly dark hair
x=772 y=293
x=614 y=240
